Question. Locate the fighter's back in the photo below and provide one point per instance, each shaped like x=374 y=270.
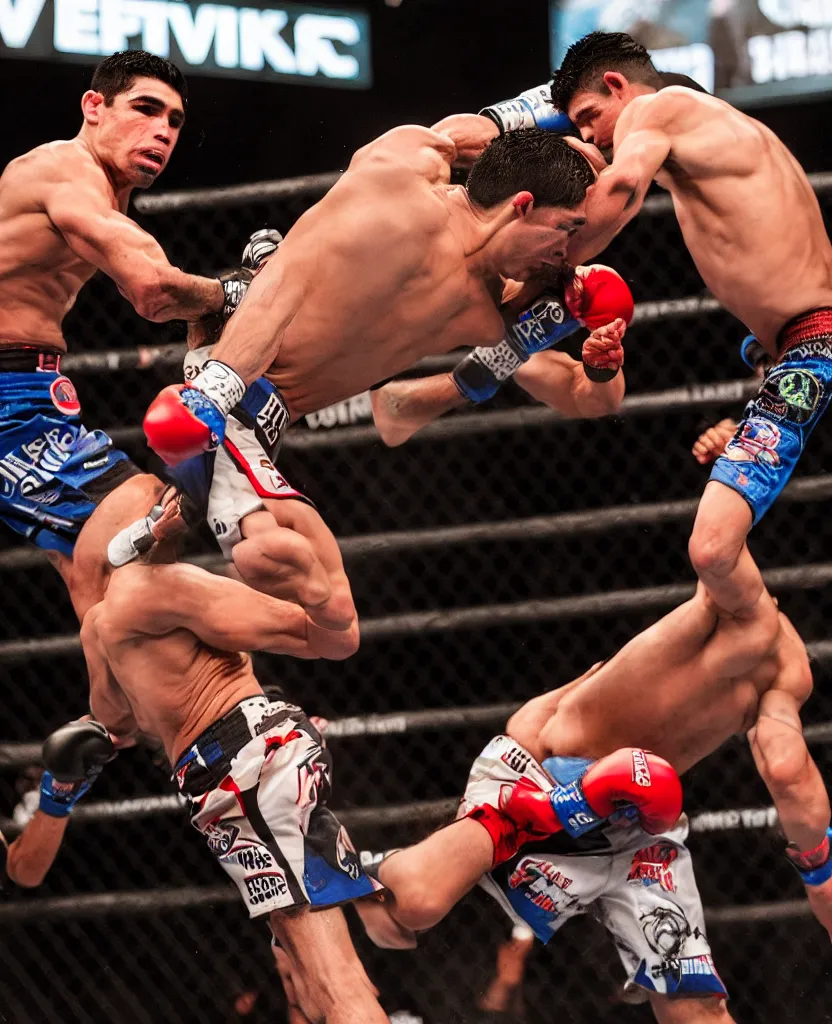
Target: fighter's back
x=40 y=276
x=747 y=211
x=382 y=259
x=681 y=688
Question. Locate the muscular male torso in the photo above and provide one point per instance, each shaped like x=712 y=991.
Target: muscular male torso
x=386 y=261
x=674 y=690
x=40 y=276
x=749 y=217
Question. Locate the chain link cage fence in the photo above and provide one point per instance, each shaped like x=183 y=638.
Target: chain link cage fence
x=495 y=556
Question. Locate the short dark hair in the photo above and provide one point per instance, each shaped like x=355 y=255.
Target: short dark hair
x=586 y=61
x=538 y=161
x=115 y=74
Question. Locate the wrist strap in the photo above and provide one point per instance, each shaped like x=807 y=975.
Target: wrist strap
x=572 y=808
x=221 y=384
x=813 y=866
x=480 y=374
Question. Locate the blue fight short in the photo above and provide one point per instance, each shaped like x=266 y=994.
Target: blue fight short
x=53 y=471
x=759 y=459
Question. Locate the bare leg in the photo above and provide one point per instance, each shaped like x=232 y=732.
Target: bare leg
x=330 y=984
x=86 y=573
x=690 y=1011
x=717 y=549
x=426 y=880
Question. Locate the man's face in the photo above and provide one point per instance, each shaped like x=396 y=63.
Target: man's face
x=137 y=134
x=535 y=244
x=595 y=115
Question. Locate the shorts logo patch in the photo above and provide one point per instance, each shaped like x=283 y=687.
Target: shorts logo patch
x=791 y=395
x=542 y=884
x=666 y=930
x=249 y=857
x=220 y=837
x=652 y=865
x=518 y=760
x=64 y=396
x=266 y=886
x=641 y=770
x=347 y=857
x=756 y=441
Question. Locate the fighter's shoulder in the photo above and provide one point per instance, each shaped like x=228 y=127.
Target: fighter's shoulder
x=663 y=108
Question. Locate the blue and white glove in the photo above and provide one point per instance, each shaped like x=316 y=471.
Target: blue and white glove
x=542 y=326
x=531 y=109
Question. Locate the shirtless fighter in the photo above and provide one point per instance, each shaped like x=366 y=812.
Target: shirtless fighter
x=680 y=688
x=722 y=169
x=391 y=265
x=62 y=217
x=162 y=651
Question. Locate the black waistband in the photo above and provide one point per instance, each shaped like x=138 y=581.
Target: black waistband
x=28 y=358
x=208 y=759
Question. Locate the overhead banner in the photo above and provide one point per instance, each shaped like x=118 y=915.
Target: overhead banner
x=746 y=51
x=289 y=42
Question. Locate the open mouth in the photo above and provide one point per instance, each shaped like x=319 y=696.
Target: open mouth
x=152 y=157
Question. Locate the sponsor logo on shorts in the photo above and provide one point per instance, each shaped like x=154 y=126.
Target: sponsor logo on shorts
x=756 y=441
x=517 y=759
x=32 y=465
x=641 y=770
x=542 y=884
x=536 y=323
x=220 y=837
x=64 y=396
x=347 y=857
x=97 y=463
x=250 y=857
x=652 y=865
x=666 y=930
x=266 y=886
x=689 y=965
x=273 y=419
x=790 y=394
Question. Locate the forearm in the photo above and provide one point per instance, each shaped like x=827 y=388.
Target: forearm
x=175 y=295
x=403 y=407
x=33 y=853
x=561 y=382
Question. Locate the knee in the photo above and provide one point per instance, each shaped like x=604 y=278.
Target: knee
x=524 y=728
x=713 y=550
x=416 y=906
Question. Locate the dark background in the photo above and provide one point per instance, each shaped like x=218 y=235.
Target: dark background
x=430 y=58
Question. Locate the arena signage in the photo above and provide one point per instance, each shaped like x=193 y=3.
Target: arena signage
x=291 y=42
x=757 y=51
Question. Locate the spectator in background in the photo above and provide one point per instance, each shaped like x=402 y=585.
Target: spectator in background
x=502 y=1002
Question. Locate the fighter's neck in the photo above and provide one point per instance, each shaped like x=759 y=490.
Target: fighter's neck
x=121 y=189
x=476 y=228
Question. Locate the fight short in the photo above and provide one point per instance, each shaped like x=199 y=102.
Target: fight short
x=258 y=781
x=53 y=471
x=229 y=483
x=759 y=459
x=640 y=886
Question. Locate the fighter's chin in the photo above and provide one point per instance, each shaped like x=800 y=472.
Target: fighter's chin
x=142 y=176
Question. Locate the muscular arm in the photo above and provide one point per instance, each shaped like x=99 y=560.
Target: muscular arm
x=403 y=407
x=224 y=614
x=109 y=241
x=642 y=144
x=427 y=152
x=34 y=851
x=470 y=133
